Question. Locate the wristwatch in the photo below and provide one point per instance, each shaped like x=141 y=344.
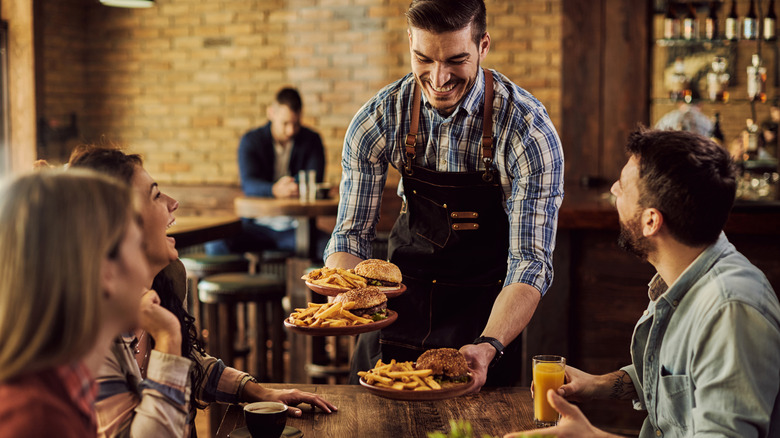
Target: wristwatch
x=495 y=343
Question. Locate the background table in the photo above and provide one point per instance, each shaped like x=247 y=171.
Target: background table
x=193 y=230
x=305 y=212
x=494 y=411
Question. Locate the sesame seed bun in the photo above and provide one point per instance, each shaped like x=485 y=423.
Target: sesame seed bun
x=444 y=362
x=381 y=270
x=368 y=300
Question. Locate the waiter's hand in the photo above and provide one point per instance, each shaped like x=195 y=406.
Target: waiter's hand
x=478 y=357
x=286 y=187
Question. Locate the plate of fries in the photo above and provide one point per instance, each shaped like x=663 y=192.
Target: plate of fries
x=333 y=281
x=333 y=319
x=401 y=381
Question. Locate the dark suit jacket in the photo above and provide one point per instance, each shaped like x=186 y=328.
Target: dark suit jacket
x=257 y=160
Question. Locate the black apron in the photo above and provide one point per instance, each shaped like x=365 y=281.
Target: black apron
x=451 y=243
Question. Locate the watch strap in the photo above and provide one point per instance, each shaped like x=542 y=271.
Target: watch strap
x=495 y=343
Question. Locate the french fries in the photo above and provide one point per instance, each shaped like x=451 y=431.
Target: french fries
x=327 y=315
x=400 y=376
x=335 y=277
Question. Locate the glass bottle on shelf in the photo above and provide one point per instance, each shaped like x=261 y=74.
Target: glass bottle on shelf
x=750 y=23
x=717 y=134
x=690 y=25
x=732 y=23
x=717 y=81
x=756 y=79
x=770 y=23
x=751 y=147
x=711 y=22
x=679 y=88
x=671 y=23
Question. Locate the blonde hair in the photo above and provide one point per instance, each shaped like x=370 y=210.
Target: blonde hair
x=56 y=229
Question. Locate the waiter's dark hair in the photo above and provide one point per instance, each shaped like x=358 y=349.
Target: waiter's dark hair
x=440 y=16
x=290 y=98
x=688 y=178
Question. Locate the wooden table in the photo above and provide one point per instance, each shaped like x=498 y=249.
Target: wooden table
x=193 y=230
x=493 y=411
x=305 y=212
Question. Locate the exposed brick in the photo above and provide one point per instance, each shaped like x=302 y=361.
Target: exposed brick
x=181 y=82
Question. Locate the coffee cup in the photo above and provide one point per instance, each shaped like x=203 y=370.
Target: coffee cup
x=265 y=419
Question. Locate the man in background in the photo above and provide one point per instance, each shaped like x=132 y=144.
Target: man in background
x=269 y=159
x=705 y=353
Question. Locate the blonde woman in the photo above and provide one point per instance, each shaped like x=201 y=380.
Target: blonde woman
x=72 y=271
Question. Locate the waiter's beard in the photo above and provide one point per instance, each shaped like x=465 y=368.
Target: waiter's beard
x=632 y=240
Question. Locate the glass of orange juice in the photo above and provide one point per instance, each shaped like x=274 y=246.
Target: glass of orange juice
x=548 y=373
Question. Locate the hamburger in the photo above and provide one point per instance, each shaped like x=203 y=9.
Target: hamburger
x=447 y=364
x=379 y=273
x=370 y=302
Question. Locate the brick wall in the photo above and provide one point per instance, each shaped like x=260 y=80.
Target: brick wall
x=181 y=82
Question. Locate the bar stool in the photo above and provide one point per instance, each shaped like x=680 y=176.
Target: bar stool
x=200 y=265
x=221 y=294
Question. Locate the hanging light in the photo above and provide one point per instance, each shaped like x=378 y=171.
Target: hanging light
x=129 y=3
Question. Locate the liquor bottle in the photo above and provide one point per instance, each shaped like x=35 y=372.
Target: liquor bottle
x=711 y=23
x=671 y=23
x=751 y=147
x=750 y=23
x=732 y=20
x=770 y=23
x=717 y=134
x=690 y=26
x=756 y=79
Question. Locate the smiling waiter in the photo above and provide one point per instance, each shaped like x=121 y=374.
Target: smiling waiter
x=481 y=180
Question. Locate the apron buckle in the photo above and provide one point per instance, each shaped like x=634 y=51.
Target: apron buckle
x=488 y=175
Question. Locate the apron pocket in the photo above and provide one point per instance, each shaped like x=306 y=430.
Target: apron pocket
x=430 y=220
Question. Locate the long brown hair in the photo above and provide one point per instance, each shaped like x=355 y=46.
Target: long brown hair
x=110 y=159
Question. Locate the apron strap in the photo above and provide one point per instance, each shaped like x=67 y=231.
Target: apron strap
x=411 y=137
x=487 y=128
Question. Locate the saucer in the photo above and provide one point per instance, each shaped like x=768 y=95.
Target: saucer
x=288 y=432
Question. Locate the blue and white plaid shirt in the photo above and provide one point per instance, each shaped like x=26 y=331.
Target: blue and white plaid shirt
x=527 y=155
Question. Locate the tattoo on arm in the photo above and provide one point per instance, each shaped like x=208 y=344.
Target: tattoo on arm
x=622 y=387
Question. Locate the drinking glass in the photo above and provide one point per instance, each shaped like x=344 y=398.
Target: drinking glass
x=548 y=371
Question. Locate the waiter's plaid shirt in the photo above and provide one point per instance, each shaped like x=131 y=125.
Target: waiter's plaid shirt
x=527 y=154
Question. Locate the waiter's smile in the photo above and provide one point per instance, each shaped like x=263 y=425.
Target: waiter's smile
x=446 y=64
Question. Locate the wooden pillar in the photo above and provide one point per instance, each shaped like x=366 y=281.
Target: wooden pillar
x=21 y=83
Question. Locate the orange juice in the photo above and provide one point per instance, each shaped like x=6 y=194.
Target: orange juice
x=548 y=374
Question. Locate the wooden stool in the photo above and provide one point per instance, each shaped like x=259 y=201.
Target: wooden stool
x=200 y=265
x=222 y=293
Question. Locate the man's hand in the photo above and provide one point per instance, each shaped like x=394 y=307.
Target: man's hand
x=478 y=358
x=286 y=187
x=581 y=386
x=572 y=424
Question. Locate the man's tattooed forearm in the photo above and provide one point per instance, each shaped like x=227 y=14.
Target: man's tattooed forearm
x=622 y=387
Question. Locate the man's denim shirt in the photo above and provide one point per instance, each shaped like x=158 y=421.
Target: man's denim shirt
x=706 y=352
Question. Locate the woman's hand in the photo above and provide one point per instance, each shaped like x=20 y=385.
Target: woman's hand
x=160 y=323
x=291 y=397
